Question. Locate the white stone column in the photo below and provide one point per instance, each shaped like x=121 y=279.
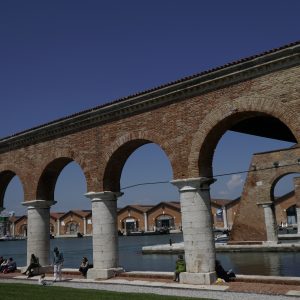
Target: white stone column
x=105 y=235
x=298 y=219
x=84 y=226
x=271 y=230
x=13 y=229
x=38 y=229
x=146 y=221
x=225 y=222
x=58 y=227
x=197 y=230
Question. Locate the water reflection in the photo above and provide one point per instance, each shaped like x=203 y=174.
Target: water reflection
x=131 y=258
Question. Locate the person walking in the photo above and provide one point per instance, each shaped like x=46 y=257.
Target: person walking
x=180 y=267
x=58 y=260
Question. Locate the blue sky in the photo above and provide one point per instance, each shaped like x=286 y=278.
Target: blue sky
x=59 y=57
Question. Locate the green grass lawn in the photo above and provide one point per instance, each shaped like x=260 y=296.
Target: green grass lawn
x=17 y=291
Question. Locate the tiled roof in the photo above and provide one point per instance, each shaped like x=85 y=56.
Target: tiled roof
x=182 y=80
x=141 y=208
x=83 y=213
x=56 y=215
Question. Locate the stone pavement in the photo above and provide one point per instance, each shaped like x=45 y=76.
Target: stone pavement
x=249 y=288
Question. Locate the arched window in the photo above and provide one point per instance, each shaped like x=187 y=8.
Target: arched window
x=72 y=228
x=164 y=221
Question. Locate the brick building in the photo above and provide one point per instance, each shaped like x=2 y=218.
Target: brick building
x=153 y=217
x=130 y=218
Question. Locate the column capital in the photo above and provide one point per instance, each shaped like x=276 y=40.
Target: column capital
x=192 y=184
x=38 y=204
x=103 y=196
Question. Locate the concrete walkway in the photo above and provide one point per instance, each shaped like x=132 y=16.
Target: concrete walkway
x=160 y=287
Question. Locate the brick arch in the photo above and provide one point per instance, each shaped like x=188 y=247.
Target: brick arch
x=221 y=119
x=51 y=169
x=295 y=169
x=6 y=175
x=122 y=148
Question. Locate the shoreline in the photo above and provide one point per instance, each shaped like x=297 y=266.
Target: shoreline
x=178 y=248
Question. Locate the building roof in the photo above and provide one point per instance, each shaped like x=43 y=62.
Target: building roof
x=56 y=215
x=137 y=207
x=80 y=213
x=171 y=204
x=18 y=219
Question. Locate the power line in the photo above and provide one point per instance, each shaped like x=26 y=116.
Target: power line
x=145 y=183
x=275 y=166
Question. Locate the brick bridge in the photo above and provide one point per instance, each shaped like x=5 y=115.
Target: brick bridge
x=257 y=95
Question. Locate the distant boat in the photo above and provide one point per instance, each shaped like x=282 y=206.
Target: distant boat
x=11 y=238
x=157 y=232
x=222 y=238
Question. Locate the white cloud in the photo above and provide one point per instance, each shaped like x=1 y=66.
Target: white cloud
x=234 y=182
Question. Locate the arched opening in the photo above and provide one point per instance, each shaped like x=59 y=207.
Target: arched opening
x=238 y=179
x=129 y=225
x=164 y=222
x=143 y=173
x=145 y=177
x=64 y=182
x=72 y=212
x=11 y=198
x=285 y=199
x=233 y=155
x=47 y=182
x=71 y=228
x=232 y=159
x=250 y=123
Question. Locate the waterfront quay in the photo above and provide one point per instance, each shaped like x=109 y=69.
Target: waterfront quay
x=260 y=275
x=179 y=248
x=161 y=283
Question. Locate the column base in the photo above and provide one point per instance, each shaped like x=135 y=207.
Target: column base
x=103 y=273
x=198 y=278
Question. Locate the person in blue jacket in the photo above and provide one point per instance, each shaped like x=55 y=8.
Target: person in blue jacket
x=58 y=260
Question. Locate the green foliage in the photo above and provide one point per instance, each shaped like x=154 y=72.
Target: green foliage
x=14 y=291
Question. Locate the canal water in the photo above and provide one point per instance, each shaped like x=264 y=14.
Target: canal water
x=132 y=259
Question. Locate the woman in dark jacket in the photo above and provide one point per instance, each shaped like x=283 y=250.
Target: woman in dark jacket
x=34 y=263
x=221 y=273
